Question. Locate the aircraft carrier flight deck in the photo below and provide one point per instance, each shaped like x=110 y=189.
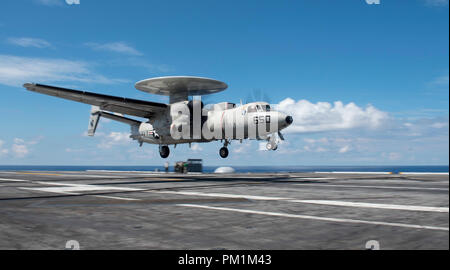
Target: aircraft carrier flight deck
x=148 y=210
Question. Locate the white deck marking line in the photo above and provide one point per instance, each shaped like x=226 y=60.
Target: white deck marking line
x=2 y=172
x=111 y=171
x=312 y=178
x=117 y=198
x=376 y=205
x=376 y=187
x=66 y=187
x=133 y=173
x=357 y=172
x=50 y=173
x=341 y=220
x=322 y=202
x=100 y=196
x=424 y=173
x=93 y=176
x=13 y=180
x=234 y=196
x=69 y=188
x=69 y=193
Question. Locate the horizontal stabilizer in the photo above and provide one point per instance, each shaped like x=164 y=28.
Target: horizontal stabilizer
x=119 y=118
x=96 y=113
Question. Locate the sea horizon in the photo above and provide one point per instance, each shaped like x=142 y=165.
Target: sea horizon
x=239 y=169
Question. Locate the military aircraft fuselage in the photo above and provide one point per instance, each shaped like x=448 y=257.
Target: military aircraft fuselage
x=223 y=121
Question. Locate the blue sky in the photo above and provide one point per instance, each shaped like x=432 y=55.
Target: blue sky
x=367 y=84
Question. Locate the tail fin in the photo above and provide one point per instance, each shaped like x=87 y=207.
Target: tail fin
x=96 y=113
x=93 y=120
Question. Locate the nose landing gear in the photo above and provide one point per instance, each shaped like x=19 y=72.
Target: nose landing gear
x=164 y=151
x=271 y=146
x=272 y=142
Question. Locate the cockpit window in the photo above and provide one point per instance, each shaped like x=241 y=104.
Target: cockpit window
x=251 y=109
x=258 y=108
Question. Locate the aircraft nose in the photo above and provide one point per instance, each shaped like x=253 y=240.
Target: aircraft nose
x=289 y=119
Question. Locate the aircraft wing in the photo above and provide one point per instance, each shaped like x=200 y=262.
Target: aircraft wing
x=140 y=108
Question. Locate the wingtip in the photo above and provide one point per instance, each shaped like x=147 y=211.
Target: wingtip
x=28 y=85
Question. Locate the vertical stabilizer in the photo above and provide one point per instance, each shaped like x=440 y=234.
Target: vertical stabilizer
x=93 y=120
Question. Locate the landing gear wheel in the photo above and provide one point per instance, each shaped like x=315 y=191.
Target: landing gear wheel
x=271 y=146
x=164 y=151
x=223 y=152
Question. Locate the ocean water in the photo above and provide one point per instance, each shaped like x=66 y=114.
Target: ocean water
x=240 y=169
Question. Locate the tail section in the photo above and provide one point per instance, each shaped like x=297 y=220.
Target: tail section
x=95 y=117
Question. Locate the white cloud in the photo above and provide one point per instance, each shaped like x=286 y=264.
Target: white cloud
x=20 y=150
x=18 y=141
x=196 y=147
x=50 y=2
x=392 y=156
x=440 y=125
x=424 y=127
x=344 y=149
x=20 y=147
x=262 y=146
x=141 y=153
x=3 y=151
x=243 y=147
x=442 y=80
x=321 y=149
x=29 y=42
x=436 y=3
x=312 y=141
x=141 y=63
x=118 y=47
x=113 y=139
x=331 y=144
x=72 y=150
x=35 y=140
x=318 y=149
x=323 y=116
x=16 y=70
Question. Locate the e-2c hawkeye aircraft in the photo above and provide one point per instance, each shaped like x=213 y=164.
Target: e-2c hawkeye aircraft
x=184 y=119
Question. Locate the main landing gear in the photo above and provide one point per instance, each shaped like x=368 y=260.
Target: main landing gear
x=164 y=151
x=223 y=152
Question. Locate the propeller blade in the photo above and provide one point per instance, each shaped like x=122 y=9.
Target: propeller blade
x=281 y=136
